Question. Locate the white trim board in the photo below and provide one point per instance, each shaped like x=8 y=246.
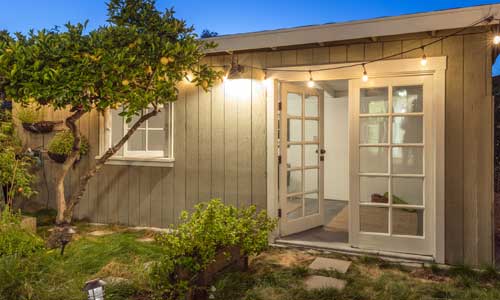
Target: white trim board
x=317 y=34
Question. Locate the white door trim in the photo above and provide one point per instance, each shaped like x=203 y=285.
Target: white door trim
x=436 y=66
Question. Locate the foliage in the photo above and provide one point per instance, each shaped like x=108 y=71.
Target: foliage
x=208 y=34
x=28 y=114
x=212 y=227
x=62 y=143
x=14 y=240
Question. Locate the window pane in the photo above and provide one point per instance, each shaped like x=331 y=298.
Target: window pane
x=407 y=221
x=294 y=156
x=294 y=130
x=373 y=159
x=311 y=155
x=135 y=119
x=407 y=160
x=156 y=140
x=407 y=130
x=374 y=100
x=407 y=99
x=157 y=121
x=137 y=141
x=294 y=181
x=373 y=130
x=311 y=202
x=311 y=131
x=407 y=191
x=116 y=128
x=312 y=106
x=294 y=104
x=294 y=206
x=374 y=219
x=373 y=189
x=311 y=180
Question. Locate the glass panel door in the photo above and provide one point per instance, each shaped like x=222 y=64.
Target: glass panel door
x=301 y=167
x=391 y=153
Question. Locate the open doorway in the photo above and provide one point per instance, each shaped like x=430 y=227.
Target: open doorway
x=328 y=146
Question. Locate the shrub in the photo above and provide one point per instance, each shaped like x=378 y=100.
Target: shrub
x=14 y=240
x=62 y=143
x=194 y=244
x=28 y=114
x=15 y=174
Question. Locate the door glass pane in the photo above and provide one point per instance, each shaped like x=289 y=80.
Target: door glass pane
x=311 y=131
x=311 y=155
x=294 y=181
x=294 y=104
x=294 y=205
x=373 y=159
x=407 y=221
x=294 y=130
x=407 y=160
x=374 y=100
x=407 y=191
x=407 y=99
x=311 y=202
x=156 y=140
x=312 y=107
x=407 y=130
x=373 y=189
x=373 y=130
x=294 y=156
x=311 y=180
x=137 y=141
x=374 y=219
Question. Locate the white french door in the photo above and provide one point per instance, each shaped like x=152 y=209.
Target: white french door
x=391 y=164
x=301 y=166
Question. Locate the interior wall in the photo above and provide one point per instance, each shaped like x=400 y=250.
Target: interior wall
x=336 y=181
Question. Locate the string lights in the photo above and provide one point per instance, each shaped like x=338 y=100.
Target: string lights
x=235 y=68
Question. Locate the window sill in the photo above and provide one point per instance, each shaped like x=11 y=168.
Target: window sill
x=141 y=161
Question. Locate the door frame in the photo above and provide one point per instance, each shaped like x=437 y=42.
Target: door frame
x=436 y=66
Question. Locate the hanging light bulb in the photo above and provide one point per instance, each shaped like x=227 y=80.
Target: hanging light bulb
x=310 y=83
x=423 y=61
x=267 y=81
x=365 y=74
x=496 y=39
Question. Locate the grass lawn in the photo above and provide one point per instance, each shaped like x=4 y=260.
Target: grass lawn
x=277 y=274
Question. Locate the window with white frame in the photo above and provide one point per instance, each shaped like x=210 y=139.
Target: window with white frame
x=153 y=139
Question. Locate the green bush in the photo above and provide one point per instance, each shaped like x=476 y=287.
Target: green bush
x=193 y=245
x=62 y=143
x=17 y=276
x=14 y=240
x=28 y=114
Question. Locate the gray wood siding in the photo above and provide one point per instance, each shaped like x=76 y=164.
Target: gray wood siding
x=220 y=144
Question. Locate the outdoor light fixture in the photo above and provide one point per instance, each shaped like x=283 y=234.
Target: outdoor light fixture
x=94 y=289
x=235 y=70
x=267 y=81
x=496 y=37
x=365 y=74
x=310 y=83
x=423 y=61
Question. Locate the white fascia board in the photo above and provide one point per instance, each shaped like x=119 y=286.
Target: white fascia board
x=414 y=23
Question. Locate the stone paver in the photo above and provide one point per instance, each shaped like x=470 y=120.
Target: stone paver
x=101 y=232
x=322 y=282
x=331 y=264
x=146 y=240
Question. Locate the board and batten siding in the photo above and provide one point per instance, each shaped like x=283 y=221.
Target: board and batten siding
x=220 y=143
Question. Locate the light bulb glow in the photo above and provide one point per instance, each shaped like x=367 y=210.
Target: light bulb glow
x=496 y=39
x=365 y=76
x=423 y=61
x=310 y=83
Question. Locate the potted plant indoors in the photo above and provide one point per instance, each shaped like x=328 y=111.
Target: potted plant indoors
x=61 y=146
x=31 y=120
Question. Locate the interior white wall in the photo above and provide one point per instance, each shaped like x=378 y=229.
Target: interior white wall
x=336 y=183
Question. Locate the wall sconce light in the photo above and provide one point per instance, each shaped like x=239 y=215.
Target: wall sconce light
x=235 y=70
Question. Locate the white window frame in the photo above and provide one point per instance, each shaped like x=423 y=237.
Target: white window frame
x=163 y=158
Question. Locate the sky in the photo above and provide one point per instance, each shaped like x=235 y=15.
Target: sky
x=222 y=16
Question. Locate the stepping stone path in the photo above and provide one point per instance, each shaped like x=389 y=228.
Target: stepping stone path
x=330 y=264
x=101 y=232
x=323 y=282
x=146 y=240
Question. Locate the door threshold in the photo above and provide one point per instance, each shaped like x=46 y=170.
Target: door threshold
x=345 y=248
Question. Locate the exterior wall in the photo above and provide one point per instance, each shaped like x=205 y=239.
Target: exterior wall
x=220 y=143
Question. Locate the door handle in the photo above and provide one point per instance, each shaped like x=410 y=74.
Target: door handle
x=322 y=151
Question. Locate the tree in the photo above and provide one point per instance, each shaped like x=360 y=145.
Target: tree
x=135 y=62
x=208 y=34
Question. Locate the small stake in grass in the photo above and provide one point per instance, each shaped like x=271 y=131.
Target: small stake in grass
x=94 y=289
